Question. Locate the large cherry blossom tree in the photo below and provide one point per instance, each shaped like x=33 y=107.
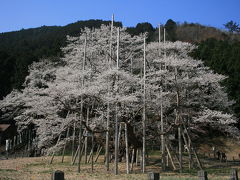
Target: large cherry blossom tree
x=97 y=81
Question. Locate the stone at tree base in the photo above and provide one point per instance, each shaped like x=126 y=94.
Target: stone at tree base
x=58 y=175
x=153 y=176
x=202 y=175
x=234 y=174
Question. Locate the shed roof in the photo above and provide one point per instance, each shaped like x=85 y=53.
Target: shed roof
x=3 y=127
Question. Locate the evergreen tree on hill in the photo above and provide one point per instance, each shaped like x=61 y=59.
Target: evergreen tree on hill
x=171 y=28
x=232 y=27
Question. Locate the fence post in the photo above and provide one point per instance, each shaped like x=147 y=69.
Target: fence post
x=202 y=175
x=234 y=174
x=58 y=175
x=153 y=176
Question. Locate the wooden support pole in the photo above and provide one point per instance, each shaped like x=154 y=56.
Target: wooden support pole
x=167 y=160
x=140 y=158
x=107 y=140
x=53 y=154
x=180 y=147
x=178 y=120
x=90 y=155
x=81 y=114
x=64 y=148
x=108 y=103
x=116 y=116
x=98 y=147
x=188 y=149
x=92 y=151
x=193 y=149
x=119 y=133
x=75 y=156
x=137 y=157
x=170 y=156
x=86 y=139
x=159 y=39
x=73 y=139
x=144 y=107
x=83 y=146
x=20 y=138
x=127 y=149
x=110 y=45
x=79 y=150
x=116 y=145
x=164 y=35
x=132 y=160
x=162 y=136
x=98 y=154
x=173 y=153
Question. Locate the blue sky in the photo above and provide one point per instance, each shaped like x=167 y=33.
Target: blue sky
x=18 y=14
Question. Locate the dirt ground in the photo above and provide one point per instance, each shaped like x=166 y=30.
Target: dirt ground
x=38 y=168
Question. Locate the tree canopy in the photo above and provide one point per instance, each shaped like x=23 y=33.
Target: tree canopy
x=232 y=27
x=171 y=28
